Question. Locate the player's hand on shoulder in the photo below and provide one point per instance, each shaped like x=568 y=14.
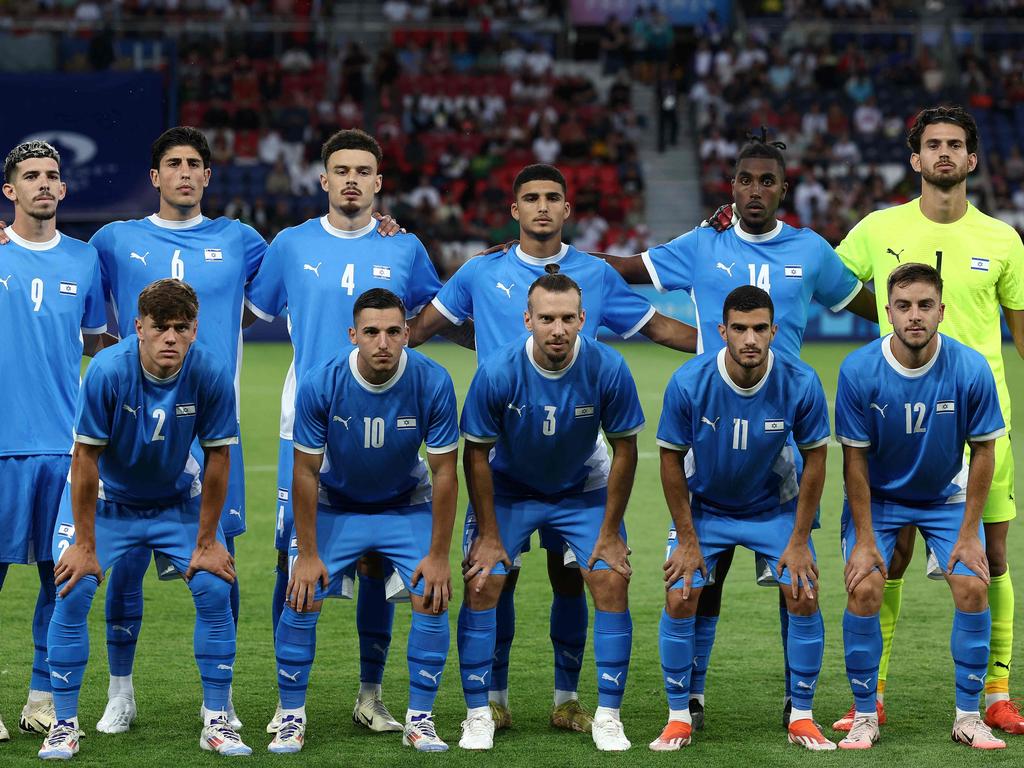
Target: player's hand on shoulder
x=307 y=571
x=684 y=563
x=388 y=224
x=971 y=552
x=76 y=563
x=501 y=248
x=612 y=549
x=485 y=553
x=864 y=559
x=213 y=558
x=4 y=239
x=722 y=219
x=436 y=573
x=803 y=573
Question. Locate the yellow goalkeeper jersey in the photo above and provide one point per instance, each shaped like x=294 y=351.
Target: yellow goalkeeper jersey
x=981 y=260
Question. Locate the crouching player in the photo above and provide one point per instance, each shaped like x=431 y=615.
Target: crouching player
x=905 y=407
x=135 y=484
x=360 y=486
x=539 y=403
x=738 y=487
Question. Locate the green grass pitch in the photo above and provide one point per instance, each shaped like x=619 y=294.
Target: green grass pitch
x=744 y=692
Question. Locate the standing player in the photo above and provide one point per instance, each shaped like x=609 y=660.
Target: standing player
x=315 y=272
x=794 y=266
x=739 y=487
x=905 y=406
x=51 y=296
x=981 y=260
x=361 y=486
x=491 y=290
x=539 y=404
x=135 y=483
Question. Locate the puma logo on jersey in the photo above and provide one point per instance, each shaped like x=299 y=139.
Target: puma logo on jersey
x=431 y=677
x=119 y=628
x=710 y=423
x=315 y=270
x=508 y=291
x=879 y=408
x=897 y=255
x=343 y=421
x=142 y=258
x=518 y=409
x=133 y=411
x=235 y=512
x=4 y=281
x=293 y=677
x=727 y=270
x=676 y=683
x=482 y=679
x=865 y=684
x=66 y=677
x=606 y=676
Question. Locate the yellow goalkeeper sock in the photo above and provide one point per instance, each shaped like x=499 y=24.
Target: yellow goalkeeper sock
x=892 y=598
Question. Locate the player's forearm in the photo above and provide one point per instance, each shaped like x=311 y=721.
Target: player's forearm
x=620 y=482
x=676 y=490
x=858 y=491
x=864 y=305
x=1015 y=321
x=671 y=333
x=215 y=491
x=444 y=475
x=979 y=481
x=85 y=488
x=427 y=324
x=305 y=490
x=481 y=488
x=464 y=335
x=632 y=268
x=812 y=483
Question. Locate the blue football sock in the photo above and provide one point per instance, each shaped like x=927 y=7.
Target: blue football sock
x=805 y=650
x=427 y=652
x=280 y=595
x=295 y=647
x=862 y=640
x=124 y=609
x=969 y=643
x=214 y=638
x=703 y=640
x=784 y=629
x=476 y=652
x=236 y=596
x=569 y=639
x=40 y=624
x=613 y=641
x=67 y=643
x=374 y=617
x=505 y=617
x=675 y=641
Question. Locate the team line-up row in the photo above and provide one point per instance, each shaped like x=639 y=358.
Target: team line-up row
x=315 y=272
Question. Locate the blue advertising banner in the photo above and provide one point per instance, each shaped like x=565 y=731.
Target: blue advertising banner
x=102 y=124
x=679 y=12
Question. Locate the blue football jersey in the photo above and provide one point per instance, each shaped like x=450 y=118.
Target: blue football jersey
x=217 y=257
x=491 y=290
x=50 y=293
x=915 y=422
x=316 y=272
x=792 y=265
x=370 y=434
x=148 y=424
x=749 y=466
x=545 y=424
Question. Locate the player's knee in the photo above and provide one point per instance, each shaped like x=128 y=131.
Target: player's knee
x=969 y=593
x=866 y=597
x=801 y=605
x=487 y=597
x=679 y=608
x=210 y=593
x=73 y=608
x=609 y=589
x=371 y=565
x=995 y=551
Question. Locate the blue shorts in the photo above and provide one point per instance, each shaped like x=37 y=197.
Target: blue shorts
x=285 y=520
x=575 y=519
x=170 y=531
x=402 y=536
x=30 y=489
x=938 y=523
x=766 y=533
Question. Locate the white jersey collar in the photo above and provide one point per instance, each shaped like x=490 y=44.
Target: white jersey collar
x=29 y=244
x=544 y=371
x=376 y=389
x=528 y=259
x=910 y=373
x=346 y=233
x=751 y=391
x=195 y=221
x=763 y=238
